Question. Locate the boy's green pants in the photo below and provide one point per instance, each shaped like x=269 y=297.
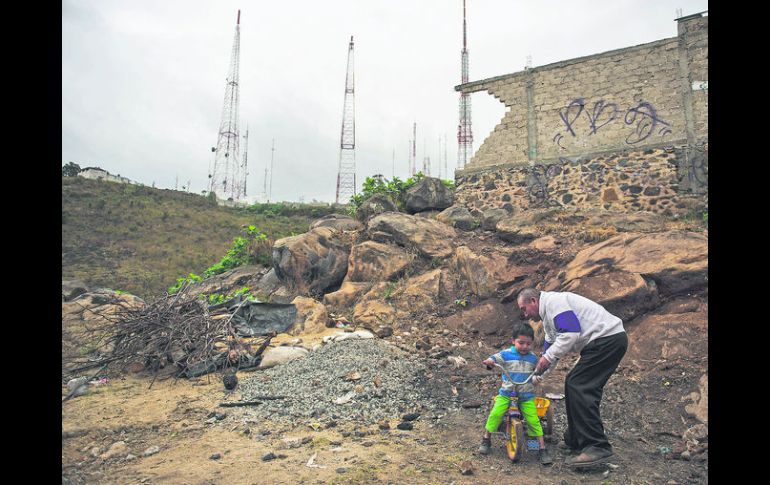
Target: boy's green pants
x=527 y=408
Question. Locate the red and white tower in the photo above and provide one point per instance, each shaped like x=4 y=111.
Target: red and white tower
x=225 y=178
x=346 y=176
x=464 y=132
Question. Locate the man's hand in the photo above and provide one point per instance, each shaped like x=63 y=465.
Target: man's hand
x=537 y=380
x=542 y=365
x=489 y=363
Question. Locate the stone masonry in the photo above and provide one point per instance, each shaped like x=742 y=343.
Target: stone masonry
x=622 y=129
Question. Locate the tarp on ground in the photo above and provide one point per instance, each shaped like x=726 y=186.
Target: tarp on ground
x=254 y=318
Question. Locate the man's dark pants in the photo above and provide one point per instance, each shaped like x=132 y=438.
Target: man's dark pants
x=583 y=391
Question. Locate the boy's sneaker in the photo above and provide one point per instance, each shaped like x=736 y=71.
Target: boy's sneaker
x=545 y=456
x=486 y=444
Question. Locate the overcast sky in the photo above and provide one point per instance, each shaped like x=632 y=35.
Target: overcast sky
x=143 y=81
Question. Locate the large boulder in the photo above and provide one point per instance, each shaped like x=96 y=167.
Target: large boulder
x=679 y=337
x=428 y=193
x=626 y=295
x=280 y=355
x=491 y=217
x=677 y=261
x=375 y=205
x=85 y=319
x=430 y=238
x=311 y=262
x=267 y=285
x=373 y=261
x=525 y=226
x=372 y=313
x=458 y=216
x=347 y=295
x=339 y=222
x=628 y=222
x=700 y=401
x=420 y=293
x=230 y=281
x=485 y=274
x=478 y=271
x=311 y=316
x=71 y=289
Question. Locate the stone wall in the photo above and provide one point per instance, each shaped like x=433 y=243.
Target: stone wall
x=575 y=121
x=646 y=180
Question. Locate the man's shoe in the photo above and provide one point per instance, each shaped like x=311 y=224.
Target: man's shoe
x=567 y=449
x=486 y=444
x=589 y=457
x=545 y=456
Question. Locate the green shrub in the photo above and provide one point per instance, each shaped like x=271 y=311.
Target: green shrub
x=256 y=248
x=395 y=189
x=192 y=278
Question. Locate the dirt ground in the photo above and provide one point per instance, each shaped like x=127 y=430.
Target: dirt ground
x=178 y=417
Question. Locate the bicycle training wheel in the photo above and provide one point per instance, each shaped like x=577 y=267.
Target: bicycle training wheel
x=516 y=446
x=548 y=428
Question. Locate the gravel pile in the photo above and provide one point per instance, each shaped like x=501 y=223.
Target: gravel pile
x=364 y=380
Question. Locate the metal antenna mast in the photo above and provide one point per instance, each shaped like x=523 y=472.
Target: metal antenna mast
x=425 y=159
x=245 y=163
x=464 y=133
x=346 y=176
x=224 y=177
x=446 y=173
x=270 y=192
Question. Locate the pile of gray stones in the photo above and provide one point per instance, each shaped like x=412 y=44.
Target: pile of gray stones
x=362 y=380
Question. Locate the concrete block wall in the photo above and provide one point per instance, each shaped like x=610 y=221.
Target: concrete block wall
x=633 y=102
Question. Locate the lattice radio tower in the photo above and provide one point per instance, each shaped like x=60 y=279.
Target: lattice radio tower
x=346 y=177
x=464 y=133
x=225 y=178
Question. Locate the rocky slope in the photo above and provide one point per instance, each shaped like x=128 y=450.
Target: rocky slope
x=440 y=287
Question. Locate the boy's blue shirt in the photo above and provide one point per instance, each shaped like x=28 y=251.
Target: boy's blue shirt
x=519 y=366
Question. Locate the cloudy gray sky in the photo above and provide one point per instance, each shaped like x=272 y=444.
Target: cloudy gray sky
x=143 y=81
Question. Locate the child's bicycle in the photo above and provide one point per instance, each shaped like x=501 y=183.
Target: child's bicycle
x=514 y=427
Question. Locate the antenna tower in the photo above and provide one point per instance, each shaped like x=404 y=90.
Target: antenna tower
x=425 y=160
x=446 y=173
x=224 y=177
x=464 y=133
x=270 y=190
x=244 y=171
x=346 y=176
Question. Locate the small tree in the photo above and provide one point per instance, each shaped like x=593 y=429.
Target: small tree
x=71 y=169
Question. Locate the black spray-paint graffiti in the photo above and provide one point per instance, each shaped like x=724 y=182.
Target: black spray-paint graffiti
x=543 y=180
x=537 y=184
x=604 y=113
x=693 y=169
x=648 y=120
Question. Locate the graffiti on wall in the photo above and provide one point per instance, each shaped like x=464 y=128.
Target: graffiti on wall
x=537 y=181
x=543 y=181
x=642 y=118
x=693 y=168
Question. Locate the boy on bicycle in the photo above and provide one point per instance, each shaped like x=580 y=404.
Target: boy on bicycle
x=520 y=362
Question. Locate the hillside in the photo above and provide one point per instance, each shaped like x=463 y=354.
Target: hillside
x=140 y=239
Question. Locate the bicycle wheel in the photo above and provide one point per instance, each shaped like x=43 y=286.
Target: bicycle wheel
x=516 y=445
x=548 y=428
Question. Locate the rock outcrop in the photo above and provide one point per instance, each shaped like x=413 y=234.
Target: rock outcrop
x=312 y=262
x=430 y=238
x=429 y=193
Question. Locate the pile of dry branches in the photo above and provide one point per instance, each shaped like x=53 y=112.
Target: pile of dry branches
x=176 y=330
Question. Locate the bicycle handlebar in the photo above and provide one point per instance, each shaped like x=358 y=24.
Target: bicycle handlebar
x=509 y=376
